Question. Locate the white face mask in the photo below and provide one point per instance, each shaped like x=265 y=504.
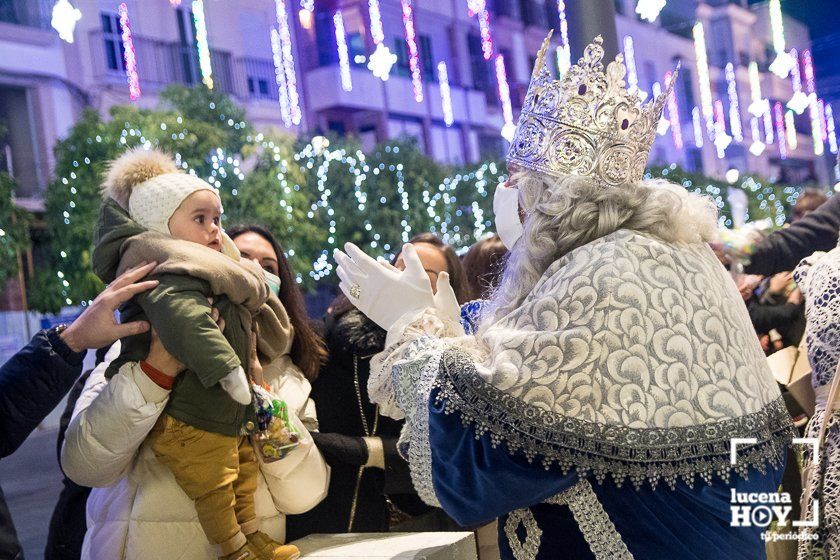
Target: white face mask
x=506 y=209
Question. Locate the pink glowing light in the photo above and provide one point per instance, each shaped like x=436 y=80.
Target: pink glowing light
x=413 y=52
x=130 y=55
x=504 y=95
x=780 y=129
x=674 y=115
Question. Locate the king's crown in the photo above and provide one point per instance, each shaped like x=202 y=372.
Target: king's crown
x=586 y=123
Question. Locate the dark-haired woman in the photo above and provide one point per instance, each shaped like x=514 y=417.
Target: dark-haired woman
x=370 y=485
x=136 y=510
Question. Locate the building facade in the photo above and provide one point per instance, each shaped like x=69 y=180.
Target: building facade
x=457 y=77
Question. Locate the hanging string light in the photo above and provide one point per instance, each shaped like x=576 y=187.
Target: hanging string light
x=799 y=102
x=64 y=18
x=509 y=127
x=284 y=62
x=445 y=94
x=202 y=44
x=343 y=53
x=817 y=130
x=413 y=52
x=478 y=8
x=382 y=59
x=649 y=9
x=564 y=53
x=823 y=120
x=632 y=75
x=674 y=115
x=696 y=120
x=780 y=129
x=734 y=106
x=784 y=62
x=721 y=138
x=703 y=76
x=129 y=55
x=768 y=126
x=280 y=79
x=790 y=129
x=832 y=134
x=758 y=105
x=757 y=147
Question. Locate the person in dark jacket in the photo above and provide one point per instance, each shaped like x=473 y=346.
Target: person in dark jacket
x=33 y=381
x=783 y=249
x=370 y=484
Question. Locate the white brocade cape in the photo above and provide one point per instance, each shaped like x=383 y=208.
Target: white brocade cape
x=631 y=358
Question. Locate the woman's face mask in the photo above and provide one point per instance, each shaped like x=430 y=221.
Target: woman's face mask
x=273 y=282
x=506 y=208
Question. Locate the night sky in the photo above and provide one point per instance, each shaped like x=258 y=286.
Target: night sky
x=823 y=19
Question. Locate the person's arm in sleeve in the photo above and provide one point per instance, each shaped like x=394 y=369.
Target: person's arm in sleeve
x=32 y=383
x=298 y=481
x=181 y=315
x=111 y=420
x=767 y=317
x=783 y=249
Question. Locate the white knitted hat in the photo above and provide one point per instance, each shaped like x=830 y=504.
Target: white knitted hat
x=149 y=185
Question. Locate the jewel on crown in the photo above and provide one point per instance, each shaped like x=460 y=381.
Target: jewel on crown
x=586 y=123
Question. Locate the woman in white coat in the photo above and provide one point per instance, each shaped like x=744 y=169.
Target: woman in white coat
x=136 y=509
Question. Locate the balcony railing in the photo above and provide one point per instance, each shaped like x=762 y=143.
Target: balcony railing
x=160 y=63
x=30 y=13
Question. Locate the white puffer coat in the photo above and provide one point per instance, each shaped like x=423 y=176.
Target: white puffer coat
x=137 y=511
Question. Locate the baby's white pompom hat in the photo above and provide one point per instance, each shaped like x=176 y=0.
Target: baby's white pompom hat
x=150 y=187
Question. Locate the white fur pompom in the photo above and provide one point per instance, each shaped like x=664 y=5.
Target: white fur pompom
x=132 y=168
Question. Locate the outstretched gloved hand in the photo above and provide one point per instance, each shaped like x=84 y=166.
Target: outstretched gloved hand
x=382 y=292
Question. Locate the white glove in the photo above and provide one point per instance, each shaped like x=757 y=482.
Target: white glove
x=383 y=293
x=236 y=385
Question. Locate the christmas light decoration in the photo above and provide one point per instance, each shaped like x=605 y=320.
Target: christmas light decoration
x=757 y=147
x=284 y=66
x=734 y=106
x=509 y=127
x=564 y=53
x=768 y=126
x=799 y=102
x=445 y=94
x=698 y=127
x=703 y=75
x=280 y=79
x=202 y=44
x=174 y=3
x=130 y=56
x=824 y=121
x=721 y=138
x=758 y=105
x=832 y=134
x=306 y=15
x=784 y=62
x=382 y=59
x=413 y=53
x=64 y=18
x=817 y=130
x=780 y=130
x=343 y=53
x=790 y=129
x=630 y=61
x=674 y=115
x=649 y=9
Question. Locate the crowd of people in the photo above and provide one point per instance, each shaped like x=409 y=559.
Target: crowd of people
x=567 y=388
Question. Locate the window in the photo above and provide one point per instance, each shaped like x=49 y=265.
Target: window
x=112 y=37
x=478 y=66
x=427 y=60
x=619 y=7
x=187 y=50
x=325 y=39
x=401 y=68
x=356 y=49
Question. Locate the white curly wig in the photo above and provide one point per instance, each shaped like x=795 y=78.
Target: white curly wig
x=563 y=214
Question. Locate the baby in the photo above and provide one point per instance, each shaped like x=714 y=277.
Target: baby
x=154 y=212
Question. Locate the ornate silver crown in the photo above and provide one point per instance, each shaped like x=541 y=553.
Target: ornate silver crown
x=586 y=123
